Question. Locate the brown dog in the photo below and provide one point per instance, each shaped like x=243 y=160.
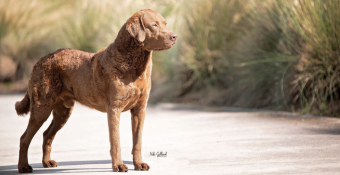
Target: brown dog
x=113 y=80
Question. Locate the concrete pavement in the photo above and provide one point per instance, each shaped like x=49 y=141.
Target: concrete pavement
x=197 y=141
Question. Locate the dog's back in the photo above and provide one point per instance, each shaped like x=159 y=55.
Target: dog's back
x=50 y=75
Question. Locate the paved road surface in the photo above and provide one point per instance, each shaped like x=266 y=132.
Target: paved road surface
x=197 y=141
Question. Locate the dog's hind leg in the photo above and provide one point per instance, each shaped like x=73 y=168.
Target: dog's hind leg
x=62 y=110
x=38 y=116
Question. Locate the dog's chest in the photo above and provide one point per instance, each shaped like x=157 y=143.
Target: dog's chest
x=128 y=94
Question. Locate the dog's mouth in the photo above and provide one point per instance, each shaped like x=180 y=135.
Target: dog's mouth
x=159 y=49
x=164 y=48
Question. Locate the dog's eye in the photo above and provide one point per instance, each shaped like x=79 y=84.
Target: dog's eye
x=155 y=25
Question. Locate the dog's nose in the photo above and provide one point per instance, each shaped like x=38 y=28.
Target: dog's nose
x=173 y=37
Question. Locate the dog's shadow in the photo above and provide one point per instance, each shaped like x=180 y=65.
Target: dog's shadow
x=39 y=169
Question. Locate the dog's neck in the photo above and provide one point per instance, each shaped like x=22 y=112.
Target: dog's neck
x=125 y=55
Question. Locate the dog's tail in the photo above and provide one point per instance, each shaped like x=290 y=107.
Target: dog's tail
x=23 y=107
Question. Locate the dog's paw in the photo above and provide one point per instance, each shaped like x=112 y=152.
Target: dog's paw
x=141 y=166
x=50 y=163
x=120 y=168
x=25 y=169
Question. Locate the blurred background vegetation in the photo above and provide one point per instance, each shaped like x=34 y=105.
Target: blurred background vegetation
x=274 y=54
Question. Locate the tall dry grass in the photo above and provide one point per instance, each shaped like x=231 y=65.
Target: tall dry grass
x=296 y=56
x=25 y=31
x=212 y=29
x=272 y=53
x=317 y=80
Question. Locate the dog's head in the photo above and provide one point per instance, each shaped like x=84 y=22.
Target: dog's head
x=149 y=30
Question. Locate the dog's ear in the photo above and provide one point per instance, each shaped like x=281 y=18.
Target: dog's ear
x=136 y=28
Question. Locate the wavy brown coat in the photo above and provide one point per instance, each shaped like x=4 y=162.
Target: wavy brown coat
x=113 y=80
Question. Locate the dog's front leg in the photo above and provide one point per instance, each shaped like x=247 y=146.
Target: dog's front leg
x=137 y=119
x=113 y=116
